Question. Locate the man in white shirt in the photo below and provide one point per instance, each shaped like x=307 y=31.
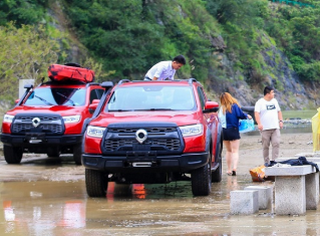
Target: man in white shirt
x=269 y=119
x=165 y=69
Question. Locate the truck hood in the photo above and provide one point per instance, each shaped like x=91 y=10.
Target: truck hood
x=179 y=117
x=62 y=110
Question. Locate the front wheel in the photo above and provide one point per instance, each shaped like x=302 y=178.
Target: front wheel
x=217 y=174
x=201 y=180
x=12 y=155
x=96 y=183
x=77 y=152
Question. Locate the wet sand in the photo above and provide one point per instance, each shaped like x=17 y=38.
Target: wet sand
x=48 y=197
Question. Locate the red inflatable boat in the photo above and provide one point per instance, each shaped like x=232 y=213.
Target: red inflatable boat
x=70 y=71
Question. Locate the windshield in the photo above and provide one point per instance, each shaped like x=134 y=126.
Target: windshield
x=57 y=96
x=152 y=98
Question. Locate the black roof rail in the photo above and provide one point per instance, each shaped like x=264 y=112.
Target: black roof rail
x=92 y=83
x=28 y=87
x=107 y=84
x=191 y=80
x=123 y=81
x=72 y=64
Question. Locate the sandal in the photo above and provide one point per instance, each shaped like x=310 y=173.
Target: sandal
x=234 y=173
x=229 y=173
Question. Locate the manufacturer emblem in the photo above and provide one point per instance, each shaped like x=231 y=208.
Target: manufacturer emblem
x=36 y=122
x=141 y=135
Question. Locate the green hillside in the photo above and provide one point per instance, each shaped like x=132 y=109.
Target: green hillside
x=230 y=45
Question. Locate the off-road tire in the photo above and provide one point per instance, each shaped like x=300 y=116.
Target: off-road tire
x=12 y=155
x=96 y=183
x=217 y=173
x=77 y=153
x=201 y=180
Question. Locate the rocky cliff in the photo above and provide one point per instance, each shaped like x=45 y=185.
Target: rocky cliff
x=276 y=70
x=291 y=92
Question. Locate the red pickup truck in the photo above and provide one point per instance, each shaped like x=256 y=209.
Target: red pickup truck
x=153 y=132
x=49 y=118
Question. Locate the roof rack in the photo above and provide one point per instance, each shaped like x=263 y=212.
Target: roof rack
x=67 y=82
x=123 y=81
x=191 y=80
x=92 y=83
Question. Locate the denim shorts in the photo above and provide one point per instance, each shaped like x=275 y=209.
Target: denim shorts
x=231 y=133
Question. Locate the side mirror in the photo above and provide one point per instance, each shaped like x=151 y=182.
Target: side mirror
x=93 y=106
x=28 y=86
x=211 y=107
x=107 y=85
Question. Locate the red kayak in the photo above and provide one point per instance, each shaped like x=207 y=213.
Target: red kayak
x=72 y=71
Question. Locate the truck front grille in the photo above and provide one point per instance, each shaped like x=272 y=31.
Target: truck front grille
x=160 y=138
x=49 y=124
x=155 y=144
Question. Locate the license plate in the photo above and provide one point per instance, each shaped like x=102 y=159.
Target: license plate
x=141 y=156
x=141 y=164
x=35 y=140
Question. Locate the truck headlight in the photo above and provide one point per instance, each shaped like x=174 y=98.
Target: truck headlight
x=8 y=118
x=191 y=130
x=94 y=131
x=71 y=119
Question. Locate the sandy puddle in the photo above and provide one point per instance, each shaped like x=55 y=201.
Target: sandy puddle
x=63 y=208
x=44 y=197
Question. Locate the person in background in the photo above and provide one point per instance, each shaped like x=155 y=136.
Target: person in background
x=165 y=69
x=229 y=115
x=268 y=116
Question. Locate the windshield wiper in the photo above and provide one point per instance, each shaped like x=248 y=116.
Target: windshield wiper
x=68 y=99
x=117 y=110
x=151 y=109
x=159 y=109
x=44 y=100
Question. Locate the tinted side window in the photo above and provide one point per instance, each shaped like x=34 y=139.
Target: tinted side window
x=95 y=94
x=202 y=97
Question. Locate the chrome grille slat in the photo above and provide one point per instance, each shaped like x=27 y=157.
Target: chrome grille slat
x=48 y=124
x=159 y=139
x=170 y=144
x=149 y=130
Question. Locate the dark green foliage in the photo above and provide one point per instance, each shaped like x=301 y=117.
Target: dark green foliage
x=240 y=21
x=22 y=11
x=132 y=35
x=117 y=32
x=129 y=36
x=297 y=31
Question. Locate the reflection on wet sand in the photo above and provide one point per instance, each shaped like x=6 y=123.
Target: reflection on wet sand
x=38 y=208
x=47 y=199
x=63 y=208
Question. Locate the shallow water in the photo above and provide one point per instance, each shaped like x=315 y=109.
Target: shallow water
x=63 y=208
x=288 y=129
x=48 y=197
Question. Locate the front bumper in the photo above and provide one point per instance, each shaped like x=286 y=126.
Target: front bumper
x=40 y=140
x=147 y=163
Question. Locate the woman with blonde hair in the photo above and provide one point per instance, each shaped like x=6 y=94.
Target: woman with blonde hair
x=229 y=114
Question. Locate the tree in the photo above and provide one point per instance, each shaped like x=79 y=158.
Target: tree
x=25 y=53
